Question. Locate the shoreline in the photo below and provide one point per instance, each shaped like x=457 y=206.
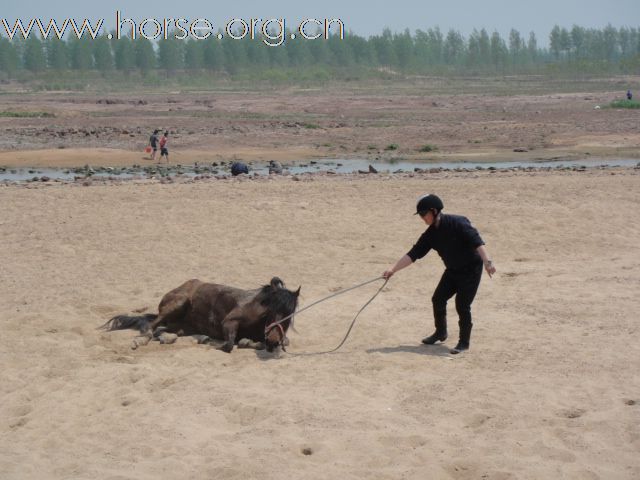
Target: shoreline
x=113 y=157
x=105 y=178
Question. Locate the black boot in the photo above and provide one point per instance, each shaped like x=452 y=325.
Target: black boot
x=441 y=331
x=434 y=337
x=463 y=342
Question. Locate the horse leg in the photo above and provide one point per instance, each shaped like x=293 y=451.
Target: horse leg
x=229 y=330
x=172 y=311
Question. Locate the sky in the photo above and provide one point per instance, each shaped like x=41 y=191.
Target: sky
x=363 y=18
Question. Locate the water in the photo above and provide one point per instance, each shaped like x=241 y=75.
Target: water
x=350 y=166
x=337 y=166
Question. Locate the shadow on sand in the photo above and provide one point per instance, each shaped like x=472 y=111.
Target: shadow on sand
x=438 y=350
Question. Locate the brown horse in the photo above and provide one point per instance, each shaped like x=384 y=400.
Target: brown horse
x=220 y=312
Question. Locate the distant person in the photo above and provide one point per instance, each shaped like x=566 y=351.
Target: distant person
x=629 y=95
x=164 y=146
x=462 y=250
x=238 y=167
x=275 y=167
x=153 y=143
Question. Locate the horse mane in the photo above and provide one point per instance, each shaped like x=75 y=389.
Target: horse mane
x=277 y=300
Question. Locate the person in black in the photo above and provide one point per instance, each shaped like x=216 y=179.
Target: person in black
x=629 y=95
x=462 y=250
x=153 y=143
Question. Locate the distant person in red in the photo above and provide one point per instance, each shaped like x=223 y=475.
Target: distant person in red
x=164 y=149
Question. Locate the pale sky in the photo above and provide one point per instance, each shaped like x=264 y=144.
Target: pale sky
x=362 y=17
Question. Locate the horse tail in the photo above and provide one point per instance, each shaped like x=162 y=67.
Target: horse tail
x=124 y=322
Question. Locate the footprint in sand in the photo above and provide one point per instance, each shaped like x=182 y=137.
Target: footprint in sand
x=572 y=413
x=19 y=411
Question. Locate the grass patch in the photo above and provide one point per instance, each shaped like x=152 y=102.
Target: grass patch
x=391 y=146
x=625 y=104
x=311 y=126
x=428 y=148
x=10 y=114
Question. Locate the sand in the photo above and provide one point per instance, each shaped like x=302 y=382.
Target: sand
x=549 y=389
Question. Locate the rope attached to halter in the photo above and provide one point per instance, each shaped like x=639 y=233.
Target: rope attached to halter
x=340 y=292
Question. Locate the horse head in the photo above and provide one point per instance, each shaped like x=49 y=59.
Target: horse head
x=280 y=306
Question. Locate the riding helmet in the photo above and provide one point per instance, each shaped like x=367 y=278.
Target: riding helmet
x=427 y=202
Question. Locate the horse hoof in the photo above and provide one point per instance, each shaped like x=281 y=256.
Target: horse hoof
x=158 y=332
x=168 y=338
x=244 y=343
x=139 y=342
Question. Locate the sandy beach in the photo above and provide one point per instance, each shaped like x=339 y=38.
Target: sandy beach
x=549 y=389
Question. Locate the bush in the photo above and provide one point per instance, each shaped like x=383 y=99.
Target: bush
x=428 y=148
x=27 y=114
x=625 y=104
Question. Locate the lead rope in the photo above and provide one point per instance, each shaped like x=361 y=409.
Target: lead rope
x=327 y=298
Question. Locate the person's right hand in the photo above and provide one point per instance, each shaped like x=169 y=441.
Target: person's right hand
x=388 y=274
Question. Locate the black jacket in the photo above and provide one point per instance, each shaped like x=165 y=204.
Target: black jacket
x=455 y=240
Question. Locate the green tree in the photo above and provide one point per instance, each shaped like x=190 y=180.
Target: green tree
x=57 y=54
x=125 y=55
x=171 y=54
x=484 y=46
x=565 y=41
x=278 y=56
x=473 y=49
x=213 y=54
x=554 y=41
x=320 y=51
x=235 y=54
x=625 y=41
x=403 y=46
x=145 y=55
x=532 y=47
x=298 y=52
x=194 y=54
x=81 y=53
x=342 y=54
x=102 y=54
x=498 y=51
x=9 y=58
x=578 y=40
x=436 y=45
x=385 y=52
x=34 y=58
x=454 y=47
x=610 y=38
x=516 y=45
x=363 y=53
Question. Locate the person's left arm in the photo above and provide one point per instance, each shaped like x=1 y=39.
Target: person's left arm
x=475 y=240
x=488 y=264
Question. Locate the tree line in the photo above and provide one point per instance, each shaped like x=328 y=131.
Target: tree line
x=605 y=49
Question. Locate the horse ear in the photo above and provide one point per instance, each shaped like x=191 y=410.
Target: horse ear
x=297 y=292
x=276 y=283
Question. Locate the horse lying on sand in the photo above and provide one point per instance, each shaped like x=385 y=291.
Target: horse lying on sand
x=219 y=312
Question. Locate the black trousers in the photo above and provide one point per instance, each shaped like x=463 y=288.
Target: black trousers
x=463 y=284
